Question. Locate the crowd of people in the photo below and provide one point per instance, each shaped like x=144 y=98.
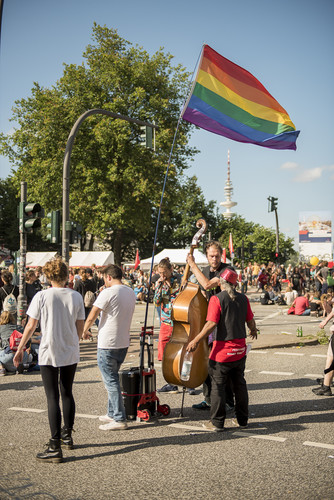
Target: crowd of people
x=63 y=305
x=306 y=289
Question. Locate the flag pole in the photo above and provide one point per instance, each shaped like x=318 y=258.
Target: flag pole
x=142 y=338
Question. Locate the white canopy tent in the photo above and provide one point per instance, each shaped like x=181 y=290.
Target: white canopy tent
x=36 y=259
x=176 y=256
x=87 y=259
x=78 y=259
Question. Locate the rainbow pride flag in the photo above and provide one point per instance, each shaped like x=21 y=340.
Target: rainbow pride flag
x=228 y=100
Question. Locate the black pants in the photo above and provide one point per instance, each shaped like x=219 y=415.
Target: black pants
x=53 y=379
x=220 y=373
x=229 y=398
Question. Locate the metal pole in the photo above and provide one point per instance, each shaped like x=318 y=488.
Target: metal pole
x=243 y=256
x=277 y=236
x=22 y=298
x=66 y=169
x=1 y=10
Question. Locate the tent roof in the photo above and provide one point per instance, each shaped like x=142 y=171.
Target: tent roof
x=35 y=259
x=176 y=256
x=87 y=259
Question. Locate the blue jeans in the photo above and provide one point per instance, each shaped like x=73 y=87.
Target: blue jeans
x=6 y=359
x=109 y=362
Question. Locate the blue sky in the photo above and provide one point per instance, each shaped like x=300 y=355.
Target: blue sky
x=287 y=45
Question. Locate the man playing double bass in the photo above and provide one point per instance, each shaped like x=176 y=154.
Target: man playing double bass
x=209 y=280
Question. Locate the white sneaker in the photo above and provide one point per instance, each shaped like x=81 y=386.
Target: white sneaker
x=106 y=418
x=114 y=426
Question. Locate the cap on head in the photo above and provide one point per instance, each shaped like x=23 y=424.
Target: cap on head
x=230 y=276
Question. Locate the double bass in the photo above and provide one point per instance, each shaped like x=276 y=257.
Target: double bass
x=188 y=314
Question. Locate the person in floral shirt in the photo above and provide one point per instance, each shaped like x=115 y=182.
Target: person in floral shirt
x=166 y=290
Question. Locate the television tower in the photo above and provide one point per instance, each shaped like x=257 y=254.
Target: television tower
x=228 y=189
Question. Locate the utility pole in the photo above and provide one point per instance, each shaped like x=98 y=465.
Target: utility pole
x=22 y=298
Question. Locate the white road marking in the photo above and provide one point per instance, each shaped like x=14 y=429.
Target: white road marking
x=85 y=415
x=289 y=353
x=257 y=351
x=277 y=373
x=268 y=317
x=319 y=355
x=188 y=427
x=35 y=410
x=260 y=436
x=319 y=445
x=287 y=333
x=247 y=371
x=30 y=410
x=315 y=375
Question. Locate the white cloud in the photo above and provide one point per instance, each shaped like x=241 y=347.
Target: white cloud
x=289 y=165
x=309 y=175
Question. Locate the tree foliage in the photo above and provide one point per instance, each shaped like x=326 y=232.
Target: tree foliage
x=9 y=225
x=263 y=238
x=115 y=183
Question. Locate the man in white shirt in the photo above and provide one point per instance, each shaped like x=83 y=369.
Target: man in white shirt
x=115 y=304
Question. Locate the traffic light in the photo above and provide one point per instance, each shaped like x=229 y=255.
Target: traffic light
x=30 y=215
x=146 y=136
x=75 y=231
x=54 y=226
x=251 y=249
x=272 y=203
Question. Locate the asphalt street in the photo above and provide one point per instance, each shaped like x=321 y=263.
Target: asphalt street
x=287 y=452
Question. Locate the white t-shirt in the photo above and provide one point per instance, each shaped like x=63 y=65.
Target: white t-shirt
x=57 y=310
x=290 y=297
x=118 y=304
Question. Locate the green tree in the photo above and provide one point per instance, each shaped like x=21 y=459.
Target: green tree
x=263 y=238
x=9 y=224
x=116 y=183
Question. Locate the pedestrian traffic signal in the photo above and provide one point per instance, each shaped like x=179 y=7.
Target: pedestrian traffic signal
x=54 y=226
x=272 y=203
x=30 y=215
x=146 y=136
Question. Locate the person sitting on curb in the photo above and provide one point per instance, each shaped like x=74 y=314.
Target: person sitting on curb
x=265 y=298
x=315 y=304
x=290 y=295
x=300 y=306
x=7 y=326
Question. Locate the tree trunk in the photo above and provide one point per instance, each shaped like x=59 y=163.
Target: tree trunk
x=118 y=247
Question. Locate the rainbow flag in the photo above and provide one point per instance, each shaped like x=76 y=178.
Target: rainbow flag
x=228 y=100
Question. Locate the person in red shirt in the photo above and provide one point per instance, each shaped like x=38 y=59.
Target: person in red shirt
x=228 y=312
x=301 y=305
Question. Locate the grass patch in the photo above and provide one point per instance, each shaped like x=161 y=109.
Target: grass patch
x=322 y=337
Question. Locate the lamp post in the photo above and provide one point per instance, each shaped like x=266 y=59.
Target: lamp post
x=66 y=170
